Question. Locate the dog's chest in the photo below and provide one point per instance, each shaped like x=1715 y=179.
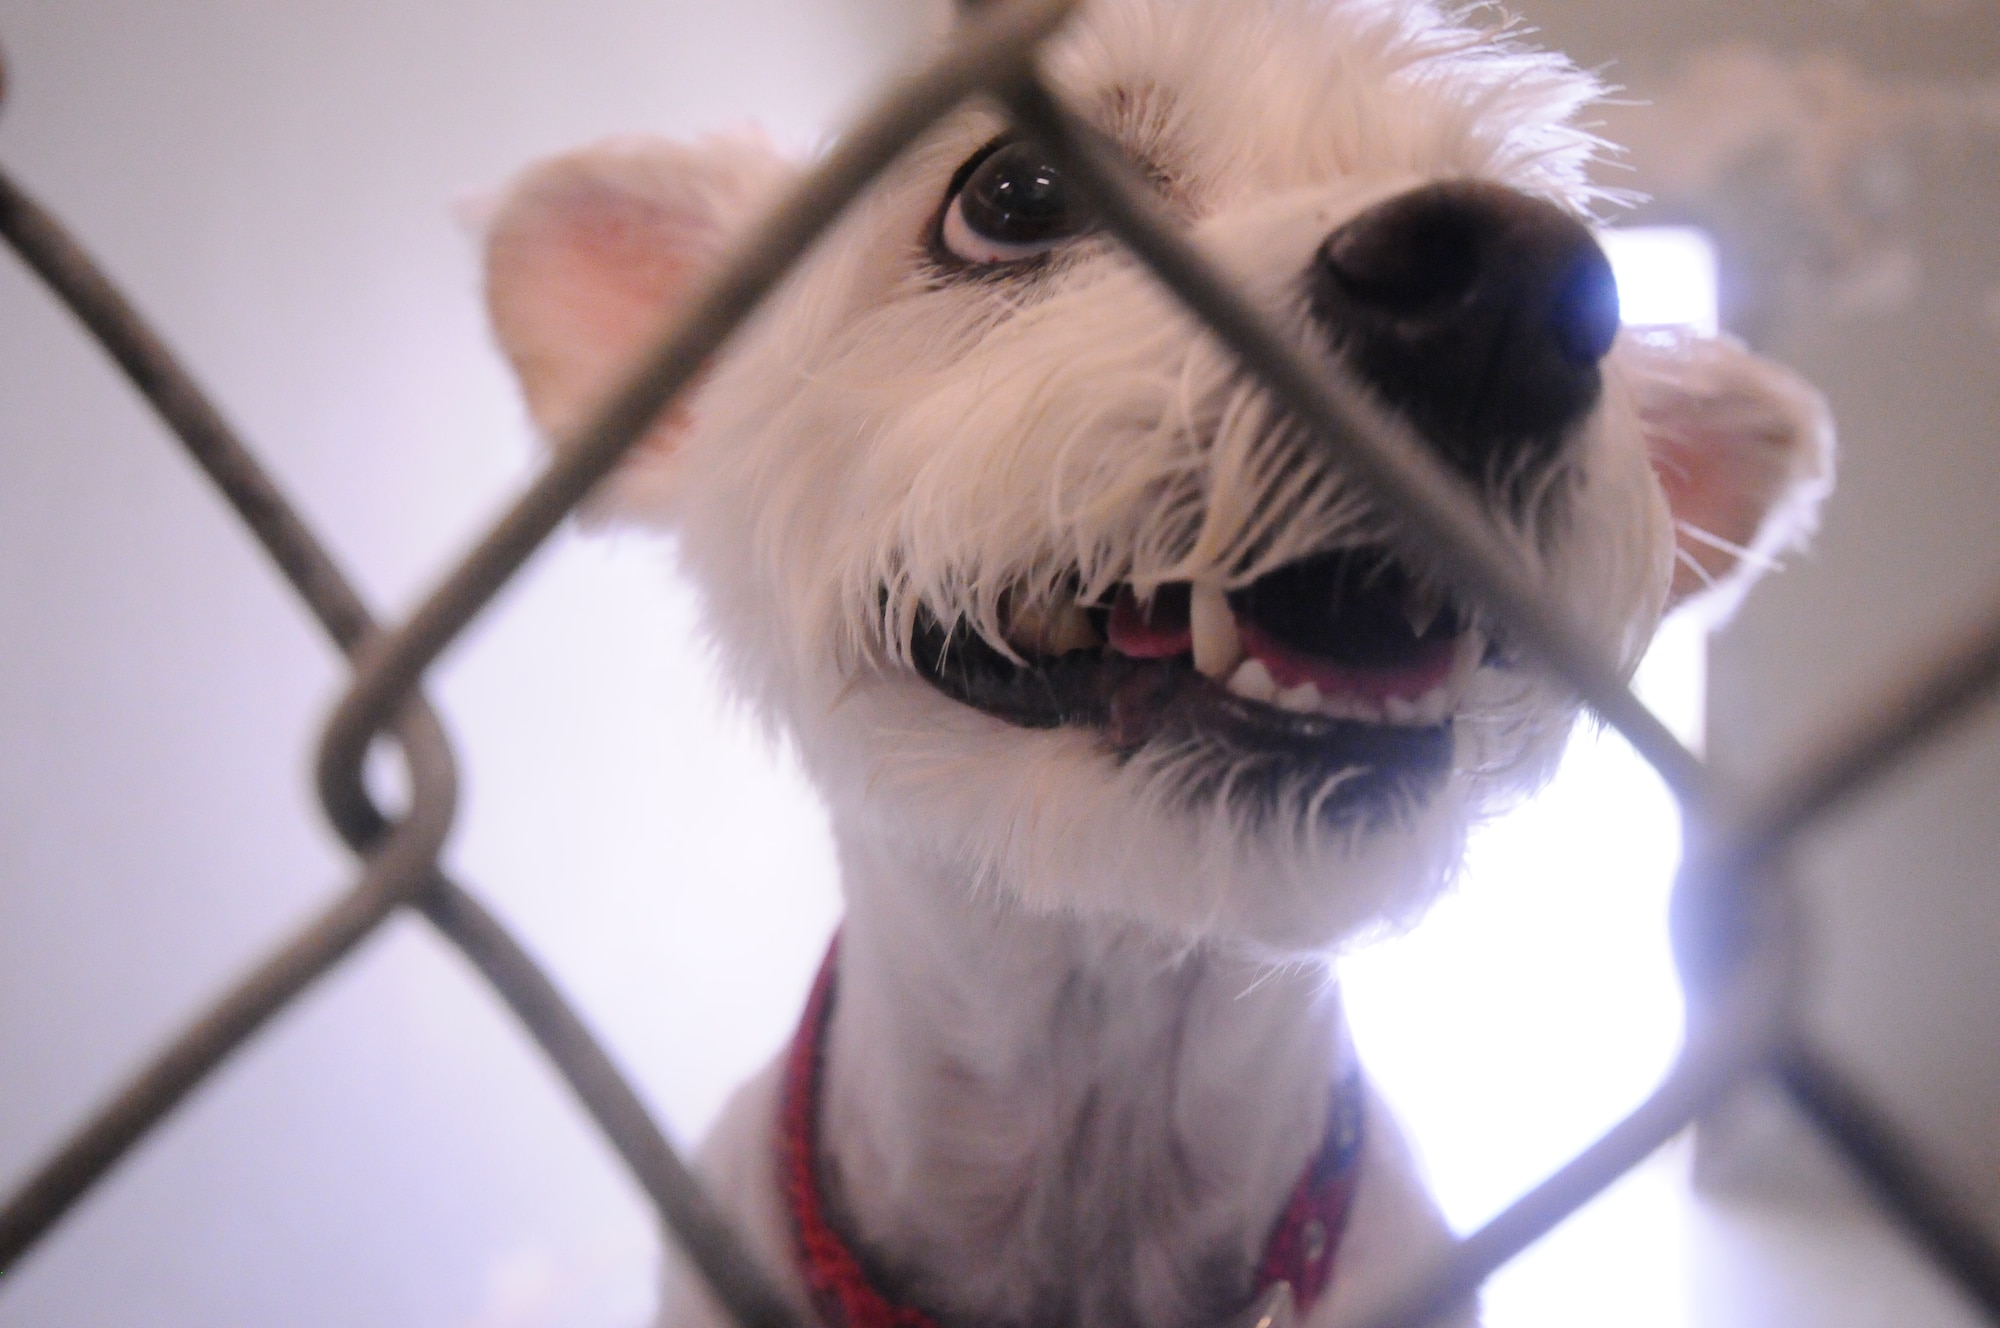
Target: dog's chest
x=1082 y=1150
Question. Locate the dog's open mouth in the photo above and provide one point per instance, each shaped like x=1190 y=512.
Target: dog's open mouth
x=1344 y=664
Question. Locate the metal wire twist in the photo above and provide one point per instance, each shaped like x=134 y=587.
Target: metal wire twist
x=1732 y=912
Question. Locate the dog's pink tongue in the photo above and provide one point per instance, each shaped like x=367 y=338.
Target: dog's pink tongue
x=1153 y=632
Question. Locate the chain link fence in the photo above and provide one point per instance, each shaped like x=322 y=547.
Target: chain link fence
x=1734 y=917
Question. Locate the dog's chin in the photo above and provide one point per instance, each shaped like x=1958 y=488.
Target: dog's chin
x=1331 y=706
x=1051 y=821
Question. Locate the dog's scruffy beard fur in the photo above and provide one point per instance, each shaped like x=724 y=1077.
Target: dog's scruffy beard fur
x=1084 y=1033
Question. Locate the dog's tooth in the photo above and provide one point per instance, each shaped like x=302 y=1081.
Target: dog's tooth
x=1253 y=681
x=1345 y=705
x=1026 y=624
x=1355 y=707
x=1430 y=708
x=1465 y=660
x=1070 y=628
x=1218 y=649
x=1303 y=699
x=1434 y=706
x=1421 y=605
x=1339 y=706
x=1052 y=628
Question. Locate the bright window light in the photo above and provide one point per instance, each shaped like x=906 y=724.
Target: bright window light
x=1666 y=276
x=1538 y=1003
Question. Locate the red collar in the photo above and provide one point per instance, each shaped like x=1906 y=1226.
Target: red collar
x=1300 y=1249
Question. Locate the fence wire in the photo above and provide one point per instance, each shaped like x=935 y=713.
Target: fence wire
x=1733 y=912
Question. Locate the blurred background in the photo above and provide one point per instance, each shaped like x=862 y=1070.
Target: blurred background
x=282 y=187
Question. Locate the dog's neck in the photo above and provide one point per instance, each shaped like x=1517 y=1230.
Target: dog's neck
x=1043 y=1120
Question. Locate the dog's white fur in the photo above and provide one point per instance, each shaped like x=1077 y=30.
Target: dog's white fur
x=1084 y=1038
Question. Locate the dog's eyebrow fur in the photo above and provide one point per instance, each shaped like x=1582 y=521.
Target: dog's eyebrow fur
x=1133 y=115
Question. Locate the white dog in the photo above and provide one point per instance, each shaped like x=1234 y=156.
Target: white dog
x=1125 y=712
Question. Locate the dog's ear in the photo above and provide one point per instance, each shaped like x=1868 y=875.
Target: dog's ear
x=591 y=253
x=1744 y=452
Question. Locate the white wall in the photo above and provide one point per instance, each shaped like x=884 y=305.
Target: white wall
x=276 y=185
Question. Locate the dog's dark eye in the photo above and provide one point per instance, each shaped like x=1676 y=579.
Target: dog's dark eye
x=1014 y=205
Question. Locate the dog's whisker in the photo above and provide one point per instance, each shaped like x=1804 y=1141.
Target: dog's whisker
x=1742 y=553
x=1683 y=558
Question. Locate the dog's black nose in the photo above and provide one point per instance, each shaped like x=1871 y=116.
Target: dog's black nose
x=1479 y=313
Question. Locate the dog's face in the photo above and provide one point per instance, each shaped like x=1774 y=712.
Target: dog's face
x=1043 y=584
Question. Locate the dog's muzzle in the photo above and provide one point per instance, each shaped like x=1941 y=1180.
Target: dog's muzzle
x=1481 y=315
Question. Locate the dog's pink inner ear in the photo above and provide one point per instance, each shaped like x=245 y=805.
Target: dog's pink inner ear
x=1744 y=452
x=593 y=253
